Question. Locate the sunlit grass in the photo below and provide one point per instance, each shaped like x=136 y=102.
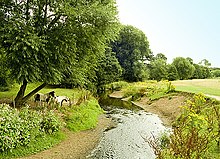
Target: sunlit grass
x=206 y=86
x=11 y=94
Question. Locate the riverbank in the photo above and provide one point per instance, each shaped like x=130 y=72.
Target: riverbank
x=167 y=108
x=77 y=145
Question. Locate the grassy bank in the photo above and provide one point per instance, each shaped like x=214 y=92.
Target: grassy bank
x=81 y=115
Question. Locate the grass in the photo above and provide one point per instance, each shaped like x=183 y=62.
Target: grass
x=11 y=94
x=83 y=117
x=205 y=86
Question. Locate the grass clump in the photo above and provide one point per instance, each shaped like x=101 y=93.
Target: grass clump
x=84 y=116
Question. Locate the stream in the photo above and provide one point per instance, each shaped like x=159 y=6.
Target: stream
x=127 y=139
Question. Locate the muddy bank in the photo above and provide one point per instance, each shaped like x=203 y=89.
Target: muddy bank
x=167 y=108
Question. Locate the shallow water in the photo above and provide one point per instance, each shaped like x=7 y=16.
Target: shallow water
x=127 y=139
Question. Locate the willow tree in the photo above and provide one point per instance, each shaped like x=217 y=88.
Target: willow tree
x=40 y=39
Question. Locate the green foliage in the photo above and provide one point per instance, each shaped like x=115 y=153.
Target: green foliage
x=109 y=69
x=201 y=72
x=151 y=89
x=131 y=47
x=194 y=132
x=20 y=127
x=216 y=73
x=158 y=69
x=184 y=67
x=160 y=56
x=49 y=41
x=40 y=143
x=116 y=86
x=84 y=116
x=172 y=73
x=5 y=80
x=50 y=123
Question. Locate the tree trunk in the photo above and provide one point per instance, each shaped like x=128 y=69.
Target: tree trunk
x=29 y=95
x=20 y=95
x=21 y=99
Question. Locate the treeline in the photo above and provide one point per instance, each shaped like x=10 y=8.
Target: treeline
x=78 y=44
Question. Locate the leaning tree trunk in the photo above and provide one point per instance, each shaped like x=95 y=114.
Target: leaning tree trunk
x=21 y=99
x=20 y=94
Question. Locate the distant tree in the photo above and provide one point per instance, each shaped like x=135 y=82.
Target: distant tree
x=216 y=73
x=41 y=40
x=205 y=62
x=190 y=60
x=184 y=67
x=158 y=69
x=172 y=72
x=109 y=69
x=161 y=56
x=141 y=71
x=131 y=48
x=198 y=73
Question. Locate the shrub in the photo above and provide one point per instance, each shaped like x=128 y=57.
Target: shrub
x=193 y=132
x=50 y=122
x=20 y=127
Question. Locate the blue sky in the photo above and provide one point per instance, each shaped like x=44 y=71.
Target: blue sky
x=186 y=28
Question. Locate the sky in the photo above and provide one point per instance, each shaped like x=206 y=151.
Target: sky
x=177 y=28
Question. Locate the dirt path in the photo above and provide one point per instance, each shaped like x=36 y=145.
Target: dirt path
x=77 y=145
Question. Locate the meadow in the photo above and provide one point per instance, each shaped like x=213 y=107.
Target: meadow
x=205 y=86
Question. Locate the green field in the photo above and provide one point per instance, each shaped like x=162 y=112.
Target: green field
x=205 y=86
x=11 y=94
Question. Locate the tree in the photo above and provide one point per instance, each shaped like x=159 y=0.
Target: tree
x=205 y=63
x=172 y=73
x=190 y=60
x=161 y=56
x=131 y=48
x=158 y=69
x=184 y=67
x=42 y=39
x=109 y=69
x=216 y=73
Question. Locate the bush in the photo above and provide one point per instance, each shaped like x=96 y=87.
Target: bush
x=20 y=127
x=50 y=122
x=194 y=132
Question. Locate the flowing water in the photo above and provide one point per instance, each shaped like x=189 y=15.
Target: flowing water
x=127 y=139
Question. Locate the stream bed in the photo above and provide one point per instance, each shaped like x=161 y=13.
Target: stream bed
x=127 y=139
